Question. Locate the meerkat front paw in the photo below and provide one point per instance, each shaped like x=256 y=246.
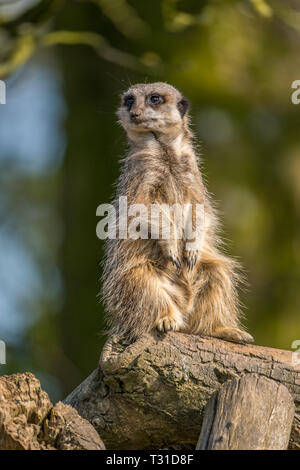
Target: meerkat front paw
x=171 y=253
x=166 y=324
x=173 y=256
x=233 y=334
x=191 y=257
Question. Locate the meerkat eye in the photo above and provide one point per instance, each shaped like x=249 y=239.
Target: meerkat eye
x=128 y=101
x=156 y=99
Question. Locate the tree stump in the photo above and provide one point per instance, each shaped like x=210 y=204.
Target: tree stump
x=249 y=413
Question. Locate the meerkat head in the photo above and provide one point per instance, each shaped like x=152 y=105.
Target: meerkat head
x=153 y=107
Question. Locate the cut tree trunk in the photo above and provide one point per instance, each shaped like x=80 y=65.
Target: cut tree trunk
x=152 y=394
x=249 y=413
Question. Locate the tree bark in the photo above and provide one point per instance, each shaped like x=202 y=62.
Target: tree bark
x=29 y=421
x=249 y=413
x=151 y=394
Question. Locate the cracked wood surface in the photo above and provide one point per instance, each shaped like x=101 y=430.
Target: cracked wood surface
x=248 y=413
x=151 y=394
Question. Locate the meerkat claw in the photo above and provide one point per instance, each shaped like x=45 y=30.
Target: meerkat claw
x=175 y=261
x=191 y=260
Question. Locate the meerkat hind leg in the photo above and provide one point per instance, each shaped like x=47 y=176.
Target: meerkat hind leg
x=170 y=319
x=216 y=311
x=233 y=334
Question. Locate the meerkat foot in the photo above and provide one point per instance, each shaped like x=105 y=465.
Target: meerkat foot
x=166 y=324
x=233 y=334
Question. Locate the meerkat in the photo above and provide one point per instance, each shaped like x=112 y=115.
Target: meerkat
x=163 y=284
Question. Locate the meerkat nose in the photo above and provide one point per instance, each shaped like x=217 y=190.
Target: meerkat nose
x=134 y=116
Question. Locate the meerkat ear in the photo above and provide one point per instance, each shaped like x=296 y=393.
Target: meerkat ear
x=183 y=106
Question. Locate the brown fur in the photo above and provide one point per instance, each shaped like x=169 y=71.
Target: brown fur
x=150 y=284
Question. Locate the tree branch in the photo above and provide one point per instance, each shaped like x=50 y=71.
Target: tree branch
x=28 y=44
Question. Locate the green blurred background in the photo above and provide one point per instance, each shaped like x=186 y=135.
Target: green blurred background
x=65 y=64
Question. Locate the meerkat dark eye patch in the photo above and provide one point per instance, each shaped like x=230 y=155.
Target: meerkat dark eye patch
x=128 y=101
x=155 y=99
x=183 y=106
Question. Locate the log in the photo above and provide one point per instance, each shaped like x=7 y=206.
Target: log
x=151 y=394
x=249 y=413
x=29 y=421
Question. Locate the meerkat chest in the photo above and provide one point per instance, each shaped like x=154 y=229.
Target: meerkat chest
x=173 y=182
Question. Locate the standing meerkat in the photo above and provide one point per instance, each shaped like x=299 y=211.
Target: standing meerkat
x=165 y=284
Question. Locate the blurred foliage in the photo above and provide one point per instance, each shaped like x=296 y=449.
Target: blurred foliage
x=235 y=60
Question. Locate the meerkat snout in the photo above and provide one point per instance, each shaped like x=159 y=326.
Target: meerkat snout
x=152 y=107
x=134 y=116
